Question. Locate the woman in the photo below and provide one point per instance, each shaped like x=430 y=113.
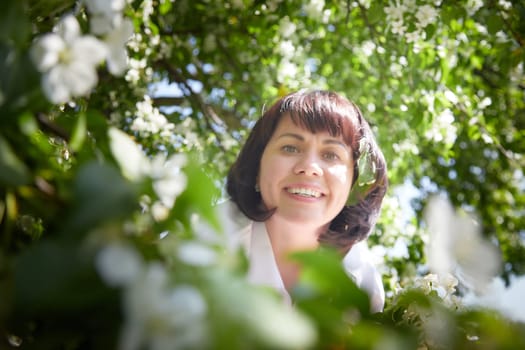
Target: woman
x=297 y=185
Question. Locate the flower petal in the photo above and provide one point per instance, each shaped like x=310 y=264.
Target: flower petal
x=89 y=50
x=54 y=87
x=68 y=28
x=105 y=7
x=100 y=24
x=45 y=52
x=80 y=78
x=116 y=41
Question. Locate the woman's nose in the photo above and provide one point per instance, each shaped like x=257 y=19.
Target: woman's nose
x=309 y=165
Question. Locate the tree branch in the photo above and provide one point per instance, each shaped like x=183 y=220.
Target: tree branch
x=48 y=126
x=167 y=101
x=196 y=99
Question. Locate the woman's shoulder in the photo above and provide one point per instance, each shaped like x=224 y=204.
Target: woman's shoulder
x=235 y=226
x=230 y=217
x=359 y=264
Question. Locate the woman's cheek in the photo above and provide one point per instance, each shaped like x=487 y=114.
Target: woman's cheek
x=339 y=172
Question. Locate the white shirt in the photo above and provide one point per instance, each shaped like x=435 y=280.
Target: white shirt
x=263 y=268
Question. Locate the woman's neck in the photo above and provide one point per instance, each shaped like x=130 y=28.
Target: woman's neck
x=288 y=237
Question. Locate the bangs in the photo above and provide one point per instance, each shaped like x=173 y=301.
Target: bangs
x=322 y=112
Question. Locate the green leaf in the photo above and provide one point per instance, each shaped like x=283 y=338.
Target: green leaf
x=79 y=133
x=366 y=165
x=256 y=315
x=15 y=27
x=164 y=7
x=376 y=12
x=327 y=294
x=13 y=172
x=323 y=276
x=52 y=277
x=19 y=84
x=198 y=196
x=494 y=23
x=127 y=153
x=100 y=194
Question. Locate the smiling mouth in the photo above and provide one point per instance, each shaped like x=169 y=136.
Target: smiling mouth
x=304 y=192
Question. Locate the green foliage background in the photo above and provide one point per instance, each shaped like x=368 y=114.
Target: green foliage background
x=59 y=182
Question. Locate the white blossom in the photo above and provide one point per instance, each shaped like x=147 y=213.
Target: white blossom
x=104 y=15
x=100 y=25
x=399 y=250
x=118 y=264
x=115 y=40
x=443 y=284
x=397 y=71
x=168 y=179
x=506 y=5
x=147 y=10
x=314 y=8
x=442 y=128
x=286 y=27
x=149 y=120
x=133 y=75
x=406 y=146
x=415 y=36
x=368 y=48
x=132 y=160
x=410 y=5
x=196 y=254
x=327 y=13
x=286 y=48
x=158 y=315
x=159 y=211
x=398 y=28
x=472 y=6
x=456 y=246
x=425 y=15
x=105 y=7
x=394 y=12
x=287 y=70
x=68 y=61
x=451 y=97
x=487 y=101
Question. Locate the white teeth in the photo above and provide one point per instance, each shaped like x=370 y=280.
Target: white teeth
x=306 y=192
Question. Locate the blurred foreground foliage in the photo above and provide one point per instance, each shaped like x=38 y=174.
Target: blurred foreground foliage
x=447 y=103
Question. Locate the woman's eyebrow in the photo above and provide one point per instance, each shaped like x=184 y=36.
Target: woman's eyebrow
x=335 y=142
x=293 y=135
x=328 y=141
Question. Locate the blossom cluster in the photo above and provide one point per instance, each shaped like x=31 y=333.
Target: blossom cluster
x=409 y=20
x=157 y=313
x=457 y=253
x=165 y=172
x=444 y=285
x=456 y=245
x=149 y=121
x=68 y=59
x=291 y=70
x=442 y=128
x=463 y=268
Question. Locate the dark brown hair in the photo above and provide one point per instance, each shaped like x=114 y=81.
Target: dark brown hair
x=318 y=111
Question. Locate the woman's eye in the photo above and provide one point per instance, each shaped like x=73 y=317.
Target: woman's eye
x=290 y=149
x=331 y=156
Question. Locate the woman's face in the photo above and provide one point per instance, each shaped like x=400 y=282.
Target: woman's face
x=306 y=176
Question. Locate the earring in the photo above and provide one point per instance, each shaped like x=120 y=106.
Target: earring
x=257 y=188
